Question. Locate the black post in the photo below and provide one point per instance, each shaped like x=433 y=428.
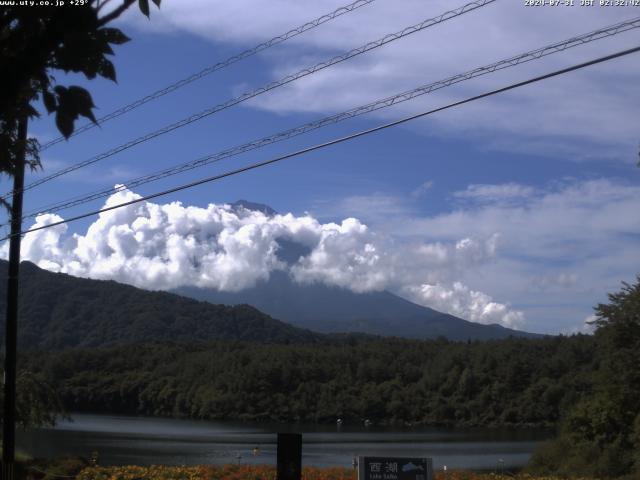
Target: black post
x=11 y=335
x=289 y=456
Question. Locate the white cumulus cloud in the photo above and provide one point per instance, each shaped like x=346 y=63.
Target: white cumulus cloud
x=346 y=256
x=165 y=246
x=458 y=299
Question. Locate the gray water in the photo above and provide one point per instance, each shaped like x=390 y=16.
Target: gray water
x=121 y=440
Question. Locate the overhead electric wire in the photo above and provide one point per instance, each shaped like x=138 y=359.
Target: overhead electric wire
x=213 y=68
x=373 y=106
x=254 y=93
x=352 y=136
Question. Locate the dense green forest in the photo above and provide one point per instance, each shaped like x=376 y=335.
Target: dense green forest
x=502 y=382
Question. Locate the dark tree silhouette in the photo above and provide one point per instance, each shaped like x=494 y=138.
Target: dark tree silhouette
x=36 y=41
x=600 y=436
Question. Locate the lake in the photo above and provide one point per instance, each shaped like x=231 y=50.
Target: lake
x=121 y=440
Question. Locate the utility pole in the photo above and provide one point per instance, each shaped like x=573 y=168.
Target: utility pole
x=11 y=332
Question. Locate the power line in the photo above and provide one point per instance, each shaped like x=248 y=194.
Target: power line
x=213 y=68
x=246 y=96
x=376 y=105
x=333 y=142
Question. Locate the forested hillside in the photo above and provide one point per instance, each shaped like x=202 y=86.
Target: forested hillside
x=60 y=311
x=505 y=382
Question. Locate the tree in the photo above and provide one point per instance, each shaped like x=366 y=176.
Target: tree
x=618 y=382
x=600 y=436
x=35 y=41
x=38 y=403
x=622 y=315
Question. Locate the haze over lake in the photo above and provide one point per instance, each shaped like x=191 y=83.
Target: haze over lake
x=123 y=440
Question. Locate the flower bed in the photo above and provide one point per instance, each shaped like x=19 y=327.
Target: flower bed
x=259 y=472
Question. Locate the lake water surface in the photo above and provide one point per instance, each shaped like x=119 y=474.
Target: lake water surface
x=121 y=440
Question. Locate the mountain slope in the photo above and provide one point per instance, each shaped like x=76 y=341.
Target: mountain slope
x=60 y=311
x=331 y=309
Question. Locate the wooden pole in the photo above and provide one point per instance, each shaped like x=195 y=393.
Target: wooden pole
x=289 y=456
x=11 y=326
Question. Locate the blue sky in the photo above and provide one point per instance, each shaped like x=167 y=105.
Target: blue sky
x=519 y=209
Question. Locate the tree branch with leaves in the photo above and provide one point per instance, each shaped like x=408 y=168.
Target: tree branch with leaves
x=37 y=41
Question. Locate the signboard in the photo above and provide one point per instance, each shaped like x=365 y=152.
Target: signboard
x=395 y=468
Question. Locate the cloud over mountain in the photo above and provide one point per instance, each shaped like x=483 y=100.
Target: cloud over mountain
x=463 y=302
x=165 y=246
